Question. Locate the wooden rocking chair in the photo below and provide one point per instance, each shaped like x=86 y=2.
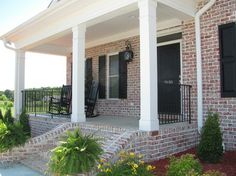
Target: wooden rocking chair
x=62 y=105
x=91 y=100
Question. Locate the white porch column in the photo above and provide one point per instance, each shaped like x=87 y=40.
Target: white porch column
x=19 y=81
x=148 y=65
x=78 y=114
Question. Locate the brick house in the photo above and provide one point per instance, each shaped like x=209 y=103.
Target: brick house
x=183 y=65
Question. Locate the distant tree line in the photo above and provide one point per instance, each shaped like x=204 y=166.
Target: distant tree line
x=7 y=95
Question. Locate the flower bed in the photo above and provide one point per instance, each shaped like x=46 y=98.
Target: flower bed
x=227 y=165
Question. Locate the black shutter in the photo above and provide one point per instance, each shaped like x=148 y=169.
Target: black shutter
x=122 y=76
x=88 y=75
x=227 y=40
x=102 y=77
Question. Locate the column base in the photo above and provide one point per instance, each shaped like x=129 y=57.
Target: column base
x=149 y=125
x=78 y=118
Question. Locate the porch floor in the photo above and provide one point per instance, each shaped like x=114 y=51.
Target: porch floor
x=121 y=122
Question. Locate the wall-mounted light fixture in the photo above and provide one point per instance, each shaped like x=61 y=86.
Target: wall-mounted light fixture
x=128 y=53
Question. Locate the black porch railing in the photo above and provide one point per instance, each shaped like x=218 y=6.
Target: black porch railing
x=174 y=104
x=36 y=101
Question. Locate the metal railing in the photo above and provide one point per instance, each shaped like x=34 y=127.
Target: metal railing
x=174 y=103
x=36 y=101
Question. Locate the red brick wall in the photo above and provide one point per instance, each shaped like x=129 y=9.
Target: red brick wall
x=224 y=11
x=126 y=107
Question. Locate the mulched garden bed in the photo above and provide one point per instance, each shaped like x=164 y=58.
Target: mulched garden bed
x=227 y=165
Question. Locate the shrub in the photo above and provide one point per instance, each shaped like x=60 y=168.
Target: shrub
x=11 y=135
x=24 y=121
x=77 y=154
x=210 y=148
x=1 y=116
x=8 y=117
x=129 y=164
x=184 y=165
x=213 y=173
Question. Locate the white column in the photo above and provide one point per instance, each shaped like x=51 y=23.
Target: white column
x=19 y=81
x=148 y=65
x=78 y=113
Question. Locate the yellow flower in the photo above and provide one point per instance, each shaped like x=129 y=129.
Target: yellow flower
x=132 y=154
x=135 y=166
x=141 y=162
x=149 y=167
x=140 y=156
x=108 y=170
x=99 y=166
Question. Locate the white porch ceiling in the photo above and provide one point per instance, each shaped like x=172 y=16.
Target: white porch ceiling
x=113 y=29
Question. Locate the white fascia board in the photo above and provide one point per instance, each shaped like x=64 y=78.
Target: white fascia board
x=185 y=6
x=163 y=28
x=88 y=15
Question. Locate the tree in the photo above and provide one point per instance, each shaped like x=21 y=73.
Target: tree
x=9 y=94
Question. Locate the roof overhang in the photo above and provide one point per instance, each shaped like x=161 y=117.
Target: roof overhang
x=52 y=24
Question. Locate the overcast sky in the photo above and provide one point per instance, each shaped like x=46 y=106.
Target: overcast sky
x=41 y=70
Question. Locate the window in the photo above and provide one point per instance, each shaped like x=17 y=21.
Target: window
x=227 y=40
x=113 y=76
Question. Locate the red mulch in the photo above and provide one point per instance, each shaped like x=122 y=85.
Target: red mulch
x=227 y=165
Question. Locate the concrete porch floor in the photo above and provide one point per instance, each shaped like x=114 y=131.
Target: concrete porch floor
x=115 y=121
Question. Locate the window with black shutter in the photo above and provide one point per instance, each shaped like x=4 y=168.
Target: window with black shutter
x=122 y=76
x=102 y=77
x=227 y=40
x=88 y=75
x=116 y=78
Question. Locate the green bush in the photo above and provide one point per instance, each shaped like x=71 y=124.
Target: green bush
x=77 y=154
x=11 y=135
x=1 y=116
x=213 y=173
x=3 y=98
x=8 y=117
x=210 y=148
x=129 y=164
x=24 y=121
x=183 y=166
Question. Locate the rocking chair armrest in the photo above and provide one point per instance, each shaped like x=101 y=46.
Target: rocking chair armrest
x=53 y=99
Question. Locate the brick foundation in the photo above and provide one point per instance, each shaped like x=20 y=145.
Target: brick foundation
x=42 y=125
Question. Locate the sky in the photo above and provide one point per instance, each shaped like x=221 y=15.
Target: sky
x=41 y=70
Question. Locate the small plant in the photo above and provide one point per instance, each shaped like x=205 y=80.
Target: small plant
x=77 y=154
x=129 y=164
x=213 y=173
x=24 y=121
x=185 y=165
x=210 y=148
x=11 y=135
x=8 y=117
x=1 y=116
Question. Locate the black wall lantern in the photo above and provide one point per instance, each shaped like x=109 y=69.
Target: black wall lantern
x=128 y=53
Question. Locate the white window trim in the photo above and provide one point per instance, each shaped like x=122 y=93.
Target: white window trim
x=108 y=76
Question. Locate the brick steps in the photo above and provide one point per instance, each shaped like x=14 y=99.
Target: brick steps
x=112 y=141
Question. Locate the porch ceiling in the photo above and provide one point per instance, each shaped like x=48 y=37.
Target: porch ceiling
x=119 y=27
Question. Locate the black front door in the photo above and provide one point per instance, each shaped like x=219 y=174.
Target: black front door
x=168 y=79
